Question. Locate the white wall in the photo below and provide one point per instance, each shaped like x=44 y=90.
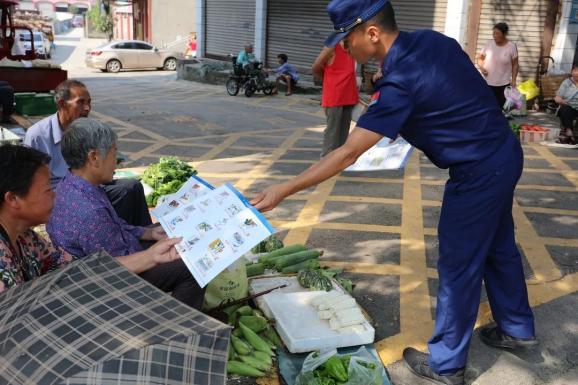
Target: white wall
x=565 y=43
x=171 y=20
x=456 y=19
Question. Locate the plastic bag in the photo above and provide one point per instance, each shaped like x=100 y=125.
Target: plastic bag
x=363 y=368
x=515 y=102
x=529 y=89
x=229 y=285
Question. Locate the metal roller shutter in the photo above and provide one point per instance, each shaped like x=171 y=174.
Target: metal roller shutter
x=412 y=15
x=229 y=25
x=420 y=14
x=298 y=29
x=526 y=21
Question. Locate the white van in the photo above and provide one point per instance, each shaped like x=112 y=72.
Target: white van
x=41 y=44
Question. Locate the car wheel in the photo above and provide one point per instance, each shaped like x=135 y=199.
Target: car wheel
x=49 y=56
x=170 y=64
x=232 y=86
x=113 y=66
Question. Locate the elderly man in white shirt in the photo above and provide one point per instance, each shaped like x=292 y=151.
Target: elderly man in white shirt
x=73 y=101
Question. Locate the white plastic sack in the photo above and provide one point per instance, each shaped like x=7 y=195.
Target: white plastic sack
x=358 y=372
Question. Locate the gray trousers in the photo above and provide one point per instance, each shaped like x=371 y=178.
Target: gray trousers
x=337 y=130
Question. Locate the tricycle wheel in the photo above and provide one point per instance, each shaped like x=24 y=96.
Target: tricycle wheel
x=232 y=86
x=250 y=90
x=268 y=90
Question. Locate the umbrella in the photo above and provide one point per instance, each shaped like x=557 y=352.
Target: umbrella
x=94 y=322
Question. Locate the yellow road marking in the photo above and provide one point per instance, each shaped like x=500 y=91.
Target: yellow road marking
x=534 y=249
x=121 y=123
x=261 y=168
x=220 y=147
x=412 y=252
x=310 y=213
x=544 y=210
x=562 y=167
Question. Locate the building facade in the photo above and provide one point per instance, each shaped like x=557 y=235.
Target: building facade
x=299 y=27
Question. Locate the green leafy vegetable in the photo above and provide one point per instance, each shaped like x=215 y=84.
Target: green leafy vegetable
x=166 y=177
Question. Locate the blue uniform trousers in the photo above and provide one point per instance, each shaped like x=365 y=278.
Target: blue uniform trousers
x=476 y=242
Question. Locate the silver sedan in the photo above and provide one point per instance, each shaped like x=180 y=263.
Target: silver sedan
x=130 y=54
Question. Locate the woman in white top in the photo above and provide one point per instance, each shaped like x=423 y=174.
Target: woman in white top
x=498 y=62
x=567 y=98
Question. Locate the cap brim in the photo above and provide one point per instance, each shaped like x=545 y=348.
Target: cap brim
x=335 y=38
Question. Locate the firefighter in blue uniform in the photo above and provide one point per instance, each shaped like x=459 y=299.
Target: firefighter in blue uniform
x=431 y=94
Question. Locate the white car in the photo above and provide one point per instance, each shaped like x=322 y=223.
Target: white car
x=42 y=46
x=131 y=54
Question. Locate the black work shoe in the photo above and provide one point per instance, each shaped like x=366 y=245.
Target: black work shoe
x=493 y=336
x=418 y=363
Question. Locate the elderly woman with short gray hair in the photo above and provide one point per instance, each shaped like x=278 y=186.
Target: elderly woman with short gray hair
x=83 y=220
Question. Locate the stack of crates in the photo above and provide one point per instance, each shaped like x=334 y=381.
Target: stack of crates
x=33 y=104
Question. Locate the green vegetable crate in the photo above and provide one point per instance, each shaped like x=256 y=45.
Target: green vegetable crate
x=33 y=104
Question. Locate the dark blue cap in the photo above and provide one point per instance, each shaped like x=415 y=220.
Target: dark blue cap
x=347 y=14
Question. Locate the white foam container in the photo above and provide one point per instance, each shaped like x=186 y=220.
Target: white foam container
x=297 y=322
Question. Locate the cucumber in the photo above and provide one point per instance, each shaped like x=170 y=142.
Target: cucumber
x=254 y=340
x=255 y=269
x=264 y=357
x=254 y=323
x=284 y=251
x=256 y=363
x=243 y=369
x=292 y=259
x=241 y=347
x=245 y=310
x=308 y=264
x=272 y=336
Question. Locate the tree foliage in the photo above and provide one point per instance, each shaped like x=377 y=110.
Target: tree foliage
x=101 y=21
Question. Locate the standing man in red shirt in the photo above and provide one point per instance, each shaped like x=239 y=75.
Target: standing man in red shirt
x=337 y=69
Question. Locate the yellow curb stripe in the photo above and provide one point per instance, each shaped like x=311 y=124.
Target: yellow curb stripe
x=562 y=167
x=363 y=199
x=543 y=210
x=560 y=242
x=221 y=147
x=261 y=168
x=131 y=126
x=414 y=291
x=310 y=213
x=534 y=248
x=337 y=226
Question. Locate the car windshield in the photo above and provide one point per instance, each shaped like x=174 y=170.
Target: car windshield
x=26 y=37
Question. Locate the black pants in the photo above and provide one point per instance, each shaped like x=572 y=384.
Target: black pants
x=175 y=277
x=127 y=198
x=567 y=116
x=499 y=94
x=6 y=99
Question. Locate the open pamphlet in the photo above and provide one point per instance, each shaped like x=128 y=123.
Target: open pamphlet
x=384 y=156
x=218 y=225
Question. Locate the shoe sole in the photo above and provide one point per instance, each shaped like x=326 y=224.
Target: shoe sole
x=424 y=377
x=508 y=344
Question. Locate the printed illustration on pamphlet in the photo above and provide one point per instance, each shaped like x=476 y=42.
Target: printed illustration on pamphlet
x=217 y=226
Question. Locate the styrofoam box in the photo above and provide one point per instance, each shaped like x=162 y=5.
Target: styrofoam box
x=262 y=284
x=301 y=329
x=533 y=136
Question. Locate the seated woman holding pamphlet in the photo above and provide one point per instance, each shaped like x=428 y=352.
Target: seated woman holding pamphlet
x=83 y=220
